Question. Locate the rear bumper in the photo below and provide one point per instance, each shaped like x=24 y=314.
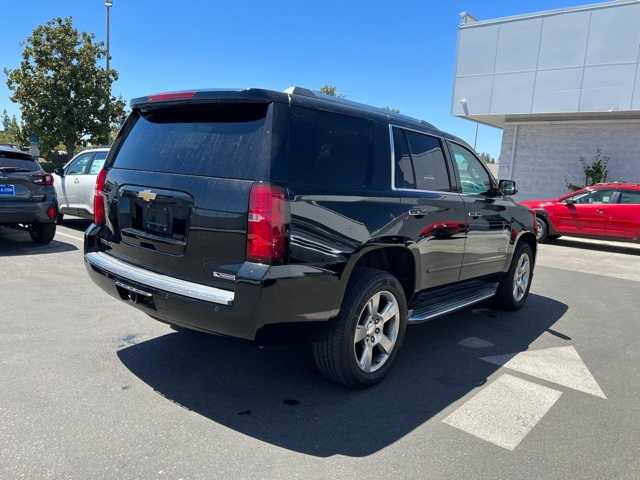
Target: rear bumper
x=25 y=212
x=261 y=296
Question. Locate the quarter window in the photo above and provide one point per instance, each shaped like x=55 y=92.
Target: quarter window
x=329 y=149
x=474 y=178
x=630 y=196
x=98 y=163
x=419 y=162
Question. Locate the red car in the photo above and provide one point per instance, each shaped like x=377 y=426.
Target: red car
x=609 y=211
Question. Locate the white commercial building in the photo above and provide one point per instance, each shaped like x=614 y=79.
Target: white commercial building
x=561 y=84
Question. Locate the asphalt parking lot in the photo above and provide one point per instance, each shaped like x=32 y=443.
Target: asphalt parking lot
x=92 y=388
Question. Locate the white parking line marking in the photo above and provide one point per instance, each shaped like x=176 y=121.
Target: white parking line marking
x=561 y=365
x=69 y=236
x=475 y=342
x=504 y=412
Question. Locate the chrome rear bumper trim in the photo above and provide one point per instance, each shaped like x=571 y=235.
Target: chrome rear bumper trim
x=143 y=277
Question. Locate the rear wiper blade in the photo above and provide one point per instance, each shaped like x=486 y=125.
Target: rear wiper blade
x=14 y=169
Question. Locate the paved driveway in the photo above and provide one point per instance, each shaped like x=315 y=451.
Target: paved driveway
x=94 y=389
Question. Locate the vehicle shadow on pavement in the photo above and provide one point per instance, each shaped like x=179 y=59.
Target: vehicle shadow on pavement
x=600 y=247
x=79 y=224
x=15 y=243
x=276 y=396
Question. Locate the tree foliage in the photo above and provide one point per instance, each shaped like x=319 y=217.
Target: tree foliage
x=597 y=171
x=330 y=90
x=486 y=158
x=11 y=132
x=63 y=93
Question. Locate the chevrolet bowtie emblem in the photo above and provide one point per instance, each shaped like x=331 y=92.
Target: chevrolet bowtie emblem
x=147 y=195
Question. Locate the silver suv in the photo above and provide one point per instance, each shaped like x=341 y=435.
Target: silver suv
x=75 y=183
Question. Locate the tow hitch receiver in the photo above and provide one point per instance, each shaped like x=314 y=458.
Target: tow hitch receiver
x=135 y=295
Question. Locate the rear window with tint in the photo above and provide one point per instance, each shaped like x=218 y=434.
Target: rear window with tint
x=329 y=149
x=18 y=161
x=224 y=140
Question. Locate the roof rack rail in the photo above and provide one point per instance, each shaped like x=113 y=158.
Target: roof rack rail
x=294 y=90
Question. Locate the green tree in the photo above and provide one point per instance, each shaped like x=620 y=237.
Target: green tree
x=486 y=158
x=63 y=93
x=597 y=171
x=331 y=90
x=11 y=131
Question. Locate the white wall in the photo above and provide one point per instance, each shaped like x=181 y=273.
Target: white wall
x=547 y=156
x=584 y=60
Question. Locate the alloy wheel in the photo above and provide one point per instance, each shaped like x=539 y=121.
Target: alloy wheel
x=376 y=332
x=521 y=277
x=541 y=229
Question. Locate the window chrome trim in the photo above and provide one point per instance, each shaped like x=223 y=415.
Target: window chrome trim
x=111 y=265
x=393 y=162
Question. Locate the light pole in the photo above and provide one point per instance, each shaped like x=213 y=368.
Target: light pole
x=465 y=108
x=108 y=4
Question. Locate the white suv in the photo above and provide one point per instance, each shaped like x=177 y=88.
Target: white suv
x=76 y=181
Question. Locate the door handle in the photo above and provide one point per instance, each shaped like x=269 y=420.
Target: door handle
x=599 y=211
x=76 y=180
x=475 y=214
x=416 y=212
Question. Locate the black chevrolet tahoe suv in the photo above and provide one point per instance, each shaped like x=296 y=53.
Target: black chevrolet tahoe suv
x=240 y=212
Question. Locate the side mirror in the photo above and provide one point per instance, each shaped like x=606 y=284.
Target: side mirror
x=59 y=171
x=507 y=187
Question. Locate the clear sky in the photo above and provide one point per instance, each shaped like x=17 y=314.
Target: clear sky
x=399 y=53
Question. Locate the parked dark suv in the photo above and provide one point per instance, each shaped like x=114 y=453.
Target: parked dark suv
x=244 y=212
x=27 y=196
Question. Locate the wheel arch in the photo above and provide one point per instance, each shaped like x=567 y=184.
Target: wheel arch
x=530 y=239
x=544 y=215
x=398 y=260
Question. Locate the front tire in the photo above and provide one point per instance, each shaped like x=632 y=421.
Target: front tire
x=514 y=288
x=360 y=346
x=42 y=233
x=542 y=229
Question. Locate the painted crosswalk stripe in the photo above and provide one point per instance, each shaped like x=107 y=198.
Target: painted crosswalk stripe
x=504 y=412
x=561 y=365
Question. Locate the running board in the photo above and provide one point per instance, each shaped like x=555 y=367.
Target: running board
x=430 y=305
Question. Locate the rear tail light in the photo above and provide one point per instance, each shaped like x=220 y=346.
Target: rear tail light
x=99 y=214
x=52 y=212
x=267 y=225
x=45 y=179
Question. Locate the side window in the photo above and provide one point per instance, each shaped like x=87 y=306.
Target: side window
x=79 y=165
x=596 y=196
x=98 y=163
x=419 y=162
x=630 y=196
x=474 y=178
x=404 y=175
x=329 y=149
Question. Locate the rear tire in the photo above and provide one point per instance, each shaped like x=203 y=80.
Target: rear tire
x=359 y=347
x=42 y=233
x=514 y=288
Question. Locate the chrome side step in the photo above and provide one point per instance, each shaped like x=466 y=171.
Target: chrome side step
x=431 y=305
